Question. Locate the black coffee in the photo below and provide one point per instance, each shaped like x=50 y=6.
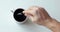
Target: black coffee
x=18 y=15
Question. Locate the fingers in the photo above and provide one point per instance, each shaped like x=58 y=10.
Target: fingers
x=36 y=11
x=27 y=13
x=32 y=14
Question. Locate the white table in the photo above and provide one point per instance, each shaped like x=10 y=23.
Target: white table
x=8 y=24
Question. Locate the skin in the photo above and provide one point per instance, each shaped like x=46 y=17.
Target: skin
x=40 y=16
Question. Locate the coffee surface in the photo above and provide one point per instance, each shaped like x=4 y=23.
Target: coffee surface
x=18 y=15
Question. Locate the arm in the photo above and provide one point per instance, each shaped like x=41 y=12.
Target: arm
x=40 y=16
x=53 y=24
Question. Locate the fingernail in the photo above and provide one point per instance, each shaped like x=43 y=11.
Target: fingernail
x=23 y=12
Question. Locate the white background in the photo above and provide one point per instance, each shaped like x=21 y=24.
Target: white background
x=8 y=24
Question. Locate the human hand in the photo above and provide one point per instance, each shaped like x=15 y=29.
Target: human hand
x=37 y=15
x=40 y=16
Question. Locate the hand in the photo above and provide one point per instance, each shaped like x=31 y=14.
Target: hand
x=40 y=16
x=37 y=15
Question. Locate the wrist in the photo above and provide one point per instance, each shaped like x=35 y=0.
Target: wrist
x=52 y=24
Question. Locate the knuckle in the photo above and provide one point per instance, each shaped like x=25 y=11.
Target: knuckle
x=41 y=8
